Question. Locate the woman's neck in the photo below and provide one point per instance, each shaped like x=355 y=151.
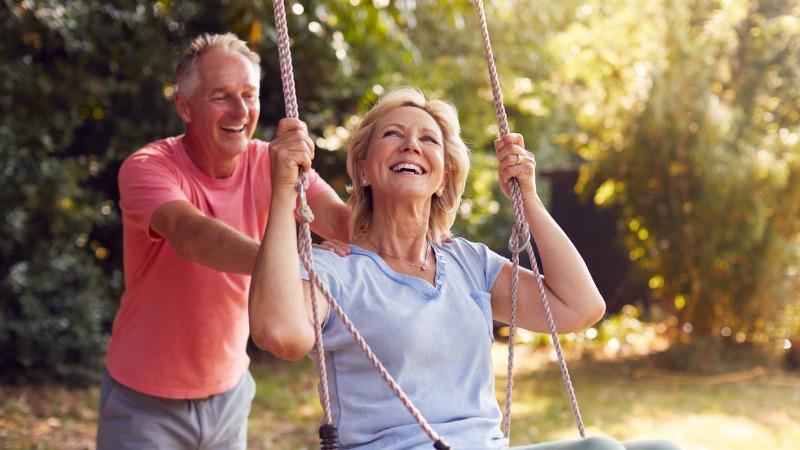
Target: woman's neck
x=400 y=231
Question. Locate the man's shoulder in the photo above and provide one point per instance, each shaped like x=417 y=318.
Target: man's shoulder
x=258 y=152
x=162 y=149
x=258 y=146
x=157 y=155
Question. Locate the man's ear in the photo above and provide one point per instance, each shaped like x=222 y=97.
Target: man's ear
x=182 y=107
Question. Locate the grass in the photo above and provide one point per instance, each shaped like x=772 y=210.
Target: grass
x=625 y=399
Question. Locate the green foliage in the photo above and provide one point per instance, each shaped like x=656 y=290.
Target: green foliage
x=684 y=114
x=83 y=84
x=701 y=150
x=681 y=114
x=66 y=71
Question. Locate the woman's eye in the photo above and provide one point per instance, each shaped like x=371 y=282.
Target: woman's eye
x=391 y=133
x=429 y=139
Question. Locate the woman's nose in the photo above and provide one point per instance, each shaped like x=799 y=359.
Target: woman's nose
x=411 y=143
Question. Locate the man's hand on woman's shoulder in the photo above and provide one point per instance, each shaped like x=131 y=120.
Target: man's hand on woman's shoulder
x=335 y=246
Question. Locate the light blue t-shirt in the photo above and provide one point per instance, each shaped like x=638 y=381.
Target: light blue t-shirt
x=435 y=340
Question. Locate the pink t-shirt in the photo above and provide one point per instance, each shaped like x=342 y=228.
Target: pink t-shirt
x=181 y=330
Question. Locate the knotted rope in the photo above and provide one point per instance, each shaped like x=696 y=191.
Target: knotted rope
x=520 y=240
x=305 y=252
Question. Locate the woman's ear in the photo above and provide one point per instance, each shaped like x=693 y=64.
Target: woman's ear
x=443 y=184
x=361 y=174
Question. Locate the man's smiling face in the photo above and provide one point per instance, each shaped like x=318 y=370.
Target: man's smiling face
x=222 y=106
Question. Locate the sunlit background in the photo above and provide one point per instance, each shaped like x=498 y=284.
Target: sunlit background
x=667 y=138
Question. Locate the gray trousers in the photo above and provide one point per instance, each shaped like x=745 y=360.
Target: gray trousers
x=130 y=420
x=601 y=443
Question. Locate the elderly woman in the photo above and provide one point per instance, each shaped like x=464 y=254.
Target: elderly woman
x=423 y=301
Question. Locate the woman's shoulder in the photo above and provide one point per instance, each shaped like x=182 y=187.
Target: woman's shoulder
x=332 y=262
x=476 y=259
x=327 y=258
x=339 y=272
x=465 y=247
x=473 y=254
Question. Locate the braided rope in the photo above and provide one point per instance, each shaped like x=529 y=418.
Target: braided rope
x=305 y=252
x=285 y=58
x=520 y=232
x=304 y=241
x=362 y=344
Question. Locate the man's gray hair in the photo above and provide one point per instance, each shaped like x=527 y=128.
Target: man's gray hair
x=185 y=72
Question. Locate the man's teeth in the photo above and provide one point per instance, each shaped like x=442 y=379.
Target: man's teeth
x=407 y=167
x=234 y=129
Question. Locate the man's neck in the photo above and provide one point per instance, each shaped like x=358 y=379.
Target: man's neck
x=206 y=162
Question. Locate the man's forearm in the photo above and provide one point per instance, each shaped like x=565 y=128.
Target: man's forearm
x=217 y=245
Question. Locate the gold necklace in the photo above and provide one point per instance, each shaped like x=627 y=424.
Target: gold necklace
x=420 y=267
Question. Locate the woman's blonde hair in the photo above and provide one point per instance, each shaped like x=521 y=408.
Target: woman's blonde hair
x=456 y=162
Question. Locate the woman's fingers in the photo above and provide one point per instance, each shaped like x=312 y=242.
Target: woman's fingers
x=515 y=162
x=526 y=167
x=509 y=139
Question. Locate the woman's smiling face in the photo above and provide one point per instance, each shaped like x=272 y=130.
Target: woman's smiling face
x=405 y=160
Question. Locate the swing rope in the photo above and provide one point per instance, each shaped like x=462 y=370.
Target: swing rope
x=328 y=432
x=520 y=240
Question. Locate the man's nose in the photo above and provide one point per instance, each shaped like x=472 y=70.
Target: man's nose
x=239 y=107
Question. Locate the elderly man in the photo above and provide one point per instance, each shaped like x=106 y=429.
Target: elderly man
x=194 y=208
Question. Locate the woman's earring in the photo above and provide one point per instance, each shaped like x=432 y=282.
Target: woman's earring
x=363 y=181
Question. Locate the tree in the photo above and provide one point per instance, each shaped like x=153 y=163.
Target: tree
x=703 y=158
x=84 y=83
x=683 y=114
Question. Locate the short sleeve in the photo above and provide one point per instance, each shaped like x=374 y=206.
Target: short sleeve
x=147 y=181
x=488 y=260
x=326 y=268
